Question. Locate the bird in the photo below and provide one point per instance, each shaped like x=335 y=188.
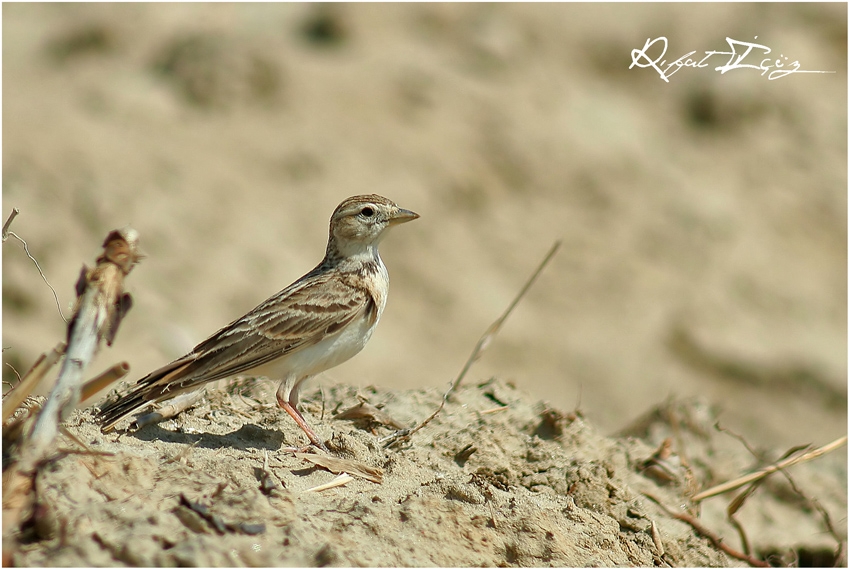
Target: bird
x=318 y=322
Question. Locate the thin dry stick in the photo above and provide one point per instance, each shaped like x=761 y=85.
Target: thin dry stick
x=715 y=539
x=103 y=380
x=182 y=454
x=482 y=345
x=813 y=502
x=733 y=508
x=801 y=458
x=17 y=374
x=67 y=433
x=656 y=538
x=827 y=520
x=405 y=434
x=24 y=388
x=491 y=332
x=340 y=465
x=173 y=407
x=737 y=503
x=337 y=481
x=5 y=236
x=8 y=223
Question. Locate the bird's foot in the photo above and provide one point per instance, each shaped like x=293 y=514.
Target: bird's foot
x=315 y=440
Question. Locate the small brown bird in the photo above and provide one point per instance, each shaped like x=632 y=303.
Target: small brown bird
x=318 y=322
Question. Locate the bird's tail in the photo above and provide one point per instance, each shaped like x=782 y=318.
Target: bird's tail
x=155 y=387
x=116 y=411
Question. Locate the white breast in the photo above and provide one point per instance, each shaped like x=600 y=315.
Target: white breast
x=329 y=352
x=333 y=350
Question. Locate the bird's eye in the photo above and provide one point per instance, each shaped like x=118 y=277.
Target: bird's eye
x=367 y=211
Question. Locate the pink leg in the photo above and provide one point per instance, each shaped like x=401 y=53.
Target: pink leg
x=302 y=423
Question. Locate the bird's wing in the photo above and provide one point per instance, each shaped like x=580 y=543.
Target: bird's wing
x=315 y=306
x=297 y=317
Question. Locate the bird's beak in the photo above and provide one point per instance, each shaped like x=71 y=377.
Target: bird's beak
x=402 y=216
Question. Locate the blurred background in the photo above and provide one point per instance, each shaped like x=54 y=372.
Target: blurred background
x=704 y=220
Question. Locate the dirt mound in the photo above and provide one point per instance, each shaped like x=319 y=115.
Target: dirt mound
x=704 y=231
x=493 y=480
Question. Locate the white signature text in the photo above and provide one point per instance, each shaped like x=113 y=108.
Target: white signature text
x=739 y=51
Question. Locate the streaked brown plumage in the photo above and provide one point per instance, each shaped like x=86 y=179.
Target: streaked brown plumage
x=321 y=320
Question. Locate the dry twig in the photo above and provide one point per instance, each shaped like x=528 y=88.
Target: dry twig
x=101 y=304
x=8 y=223
x=656 y=538
x=339 y=465
x=337 y=481
x=493 y=410
x=24 y=388
x=173 y=407
x=480 y=347
x=493 y=330
x=104 y=380
x=715 y=539
x=5 y=236
x=405 y=434
x=738 y=502
x=793 y=460
x=181 y=455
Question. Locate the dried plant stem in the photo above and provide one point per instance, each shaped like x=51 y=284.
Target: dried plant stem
x=812 y=501
x=103 y=380
x=100 y=306
x=405 y=434
x=793 y=460
x=66 y=394
x=173 y=407
x=8 y=223
x=715 y=539
x=480 y=347
x=337 y=481
x=24 y=388
x=8 y=233
x=339 y=465
x=491 y=332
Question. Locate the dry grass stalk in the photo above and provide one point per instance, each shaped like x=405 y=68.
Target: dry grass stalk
x=173 y=407
x=337 y=481
x=840 y=540
x=183 y=455
x=5 y=236
x=8 y=223
x=738 y=502
x=31 y=379
x=493 y=330
x=713 y=537
x=494 y=410
x=656 y=538
x=479 y=349
x=785 y=463
x=104 y=380
x=339 y=465
x=101 y=304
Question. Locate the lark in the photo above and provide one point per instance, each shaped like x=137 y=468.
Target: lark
x=320 y=321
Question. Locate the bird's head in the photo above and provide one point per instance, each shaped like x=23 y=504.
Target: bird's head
x=360 y=222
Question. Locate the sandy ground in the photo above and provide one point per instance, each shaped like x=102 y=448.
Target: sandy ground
x=494 y=480
x=703 y=221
